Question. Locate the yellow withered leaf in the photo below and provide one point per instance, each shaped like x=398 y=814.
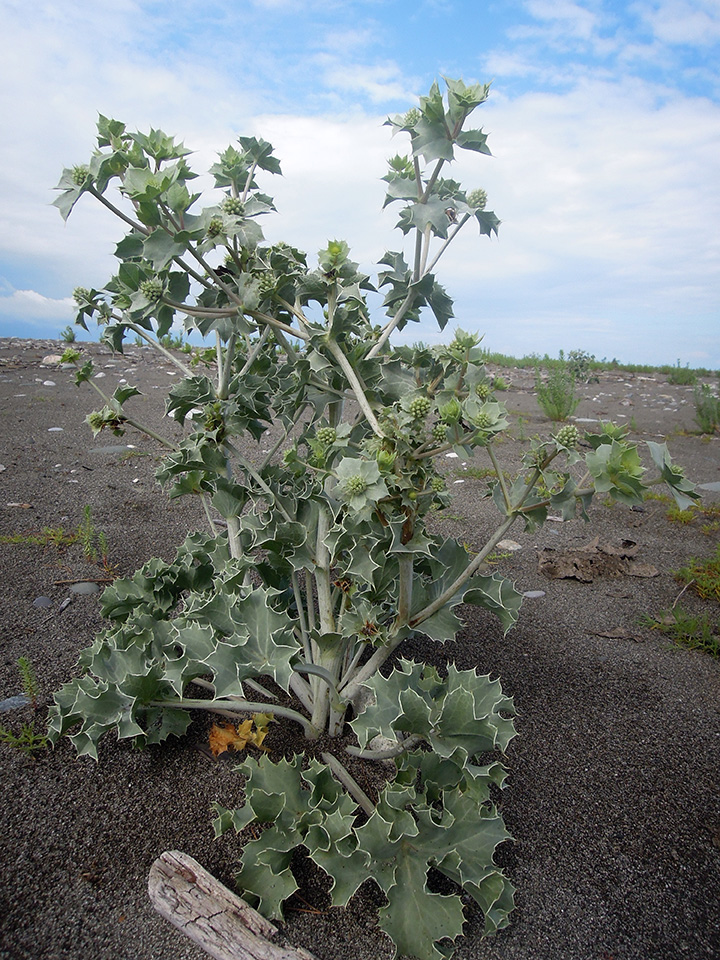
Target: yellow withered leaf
x=229 y=737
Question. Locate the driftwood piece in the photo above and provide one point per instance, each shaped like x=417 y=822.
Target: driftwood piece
x=217 y=920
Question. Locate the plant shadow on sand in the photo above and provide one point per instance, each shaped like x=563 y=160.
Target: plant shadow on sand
x=614 y=789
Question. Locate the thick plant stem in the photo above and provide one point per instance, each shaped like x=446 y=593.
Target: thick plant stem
x=463 y=578
x=356 y=387
x=239 y=706
x=405 y=588
x=159 y=347
x=352 y=787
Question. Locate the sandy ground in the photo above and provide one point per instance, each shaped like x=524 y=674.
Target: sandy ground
x=613 y=797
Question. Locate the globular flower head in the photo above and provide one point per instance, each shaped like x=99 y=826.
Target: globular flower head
x=477 y=199
x=568 y=436
x=152 y=289
x=326 y=435
x=215 y=227
x=79 y=174
x=234 y=206
x=81 y=296
x=419 y=408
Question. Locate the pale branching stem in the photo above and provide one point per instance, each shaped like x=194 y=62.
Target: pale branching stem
x=218 y=351
x=344 y=777
x=130 y=420
x=295 y=311
x=151 y=341
x=350 y=689
x=206 y=507
x=218 y=312
x=431 y=182
x=252 y=472
x=118 y=213
x=353 y=664
x=301 y=617
x=444 y=247
x=302 y=691
x=321 y=700
x=193 y=273
x=392 y=324
x=281 y=439
x=405 y=588
x=389 y=753
x=322 y=573
x=234 y=543
x=310 y=600
x=469 y=571
x=254 y=353
x=250 y=175
x=356 y=386
x=239 y=706
x=225 y=370
x=277 y=324
x=427 y=234
x=500 y=476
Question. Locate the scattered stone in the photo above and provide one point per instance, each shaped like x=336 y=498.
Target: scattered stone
x=534 y=594
x=13 y=703
x=55 y=430
x=2 y=467
x=49 y=383
x=509 y=545
x=42 y=602
x=452 y=455
x=51 y=360
x=86 y=588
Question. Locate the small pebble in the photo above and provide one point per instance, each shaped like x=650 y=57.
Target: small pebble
x=509 y=545
x=534 y=594
x=85 y=589
x=55 y=429
x=14 y=703
x=48 y=383
x=42 y=602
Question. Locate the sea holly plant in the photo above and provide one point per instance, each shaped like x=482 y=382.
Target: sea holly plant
x=314 y=445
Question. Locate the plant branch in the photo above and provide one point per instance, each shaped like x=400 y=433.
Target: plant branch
x=238 y=706
x=356 y=386
x=353 y=788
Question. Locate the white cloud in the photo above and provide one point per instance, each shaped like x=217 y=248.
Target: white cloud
x=574 y=19
x=695 y=22
x=43 y=315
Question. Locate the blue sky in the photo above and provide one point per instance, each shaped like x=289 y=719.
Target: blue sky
x=604 y=123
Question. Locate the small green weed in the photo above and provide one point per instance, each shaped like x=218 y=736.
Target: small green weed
x=707 y=409
x=556 y=395
x=676 y=515
x=30 y=685
x=93 y=542
x=28 y=740
x=686 y=630
x=680 y=376
x=702 y=576
x=68 y=334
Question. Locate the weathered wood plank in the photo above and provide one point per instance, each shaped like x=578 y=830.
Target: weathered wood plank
x=217 y=920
